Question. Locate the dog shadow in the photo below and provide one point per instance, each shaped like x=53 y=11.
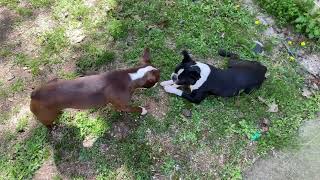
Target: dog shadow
x=73 y=159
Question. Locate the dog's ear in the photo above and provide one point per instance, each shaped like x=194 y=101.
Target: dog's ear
x=145 y=59
x=195 y=74
x=186 y=57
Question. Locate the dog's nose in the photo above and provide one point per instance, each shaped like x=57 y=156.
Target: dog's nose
x=174 y=77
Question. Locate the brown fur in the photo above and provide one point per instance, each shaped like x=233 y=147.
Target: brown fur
x=115 y=87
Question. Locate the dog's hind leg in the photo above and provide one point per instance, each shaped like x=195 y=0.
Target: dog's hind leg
x=250 y=89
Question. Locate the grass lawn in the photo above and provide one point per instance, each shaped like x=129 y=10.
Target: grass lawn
x=213 y=143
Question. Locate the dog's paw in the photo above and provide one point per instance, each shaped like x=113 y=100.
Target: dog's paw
x=173 y=90
x=166 y=83
x=144 y=111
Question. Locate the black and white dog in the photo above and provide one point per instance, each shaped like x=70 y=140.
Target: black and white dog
x=204 y=79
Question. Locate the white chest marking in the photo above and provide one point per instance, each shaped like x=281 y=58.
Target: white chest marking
x=204 y=74
x=141 y=72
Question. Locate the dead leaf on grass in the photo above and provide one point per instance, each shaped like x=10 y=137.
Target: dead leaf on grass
x=89 y=141
x=306 y=92
x=273 y=107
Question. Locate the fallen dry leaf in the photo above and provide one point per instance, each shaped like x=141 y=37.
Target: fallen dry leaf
x=89 y=141
x=273 y=107
x=306 y=92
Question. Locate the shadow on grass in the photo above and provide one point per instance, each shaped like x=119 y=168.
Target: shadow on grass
x=119 y=152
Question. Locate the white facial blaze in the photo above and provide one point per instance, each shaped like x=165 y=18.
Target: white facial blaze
x=141 y=72
x=180 y=71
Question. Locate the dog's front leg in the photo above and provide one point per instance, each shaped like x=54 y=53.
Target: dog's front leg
x=167 y=83
x=192 y=97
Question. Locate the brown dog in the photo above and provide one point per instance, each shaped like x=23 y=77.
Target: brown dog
x=115 y=87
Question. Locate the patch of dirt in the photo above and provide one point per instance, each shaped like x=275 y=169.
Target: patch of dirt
x=77 y=168
x=90 y=3
x=13 y=121
x=205 y=161
x=121 y=129
x=75 y=35
x=48 y=170
x=311 y=64
x=158 y=107
x=162 y=142
x=26 y=35
x=7 y=19
x=124 y=173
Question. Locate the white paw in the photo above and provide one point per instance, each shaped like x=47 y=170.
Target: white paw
x=144 y=111
x=166 y=83
x=173 y=90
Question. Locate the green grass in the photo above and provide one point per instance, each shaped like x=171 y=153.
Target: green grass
x=54 y=41
x=17 y=86
x=26 y=157
x=22 y=124
x=117 y=32
x=94 y=58
x=14 y=4
x=32 y=63
x=41 y=3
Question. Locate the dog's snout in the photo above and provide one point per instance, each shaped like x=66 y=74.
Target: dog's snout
x=174 y=77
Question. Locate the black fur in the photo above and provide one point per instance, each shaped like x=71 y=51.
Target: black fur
x=239 y=75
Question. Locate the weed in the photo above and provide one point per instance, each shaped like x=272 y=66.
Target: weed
x=3 y=90
x=54 y=41
x=8 y=136
x=68 y=75
x=22 y=124
x=41 y=3
x=94 y=58
x=17 y=86
x=74 y=10
x=90 y=126
x=24 y=11
x=5 y=52
x=24 y=61
x=14 y=4
x=168 y=165
x=117 y=29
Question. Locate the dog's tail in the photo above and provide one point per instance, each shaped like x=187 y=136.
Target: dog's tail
x=225 y=53
x=186 y=56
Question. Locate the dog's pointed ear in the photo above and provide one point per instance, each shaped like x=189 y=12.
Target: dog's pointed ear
x=195 y=73
x=186 y=56
x=145 y=59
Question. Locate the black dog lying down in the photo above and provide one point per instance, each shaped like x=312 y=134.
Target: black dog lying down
x=204 y=79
